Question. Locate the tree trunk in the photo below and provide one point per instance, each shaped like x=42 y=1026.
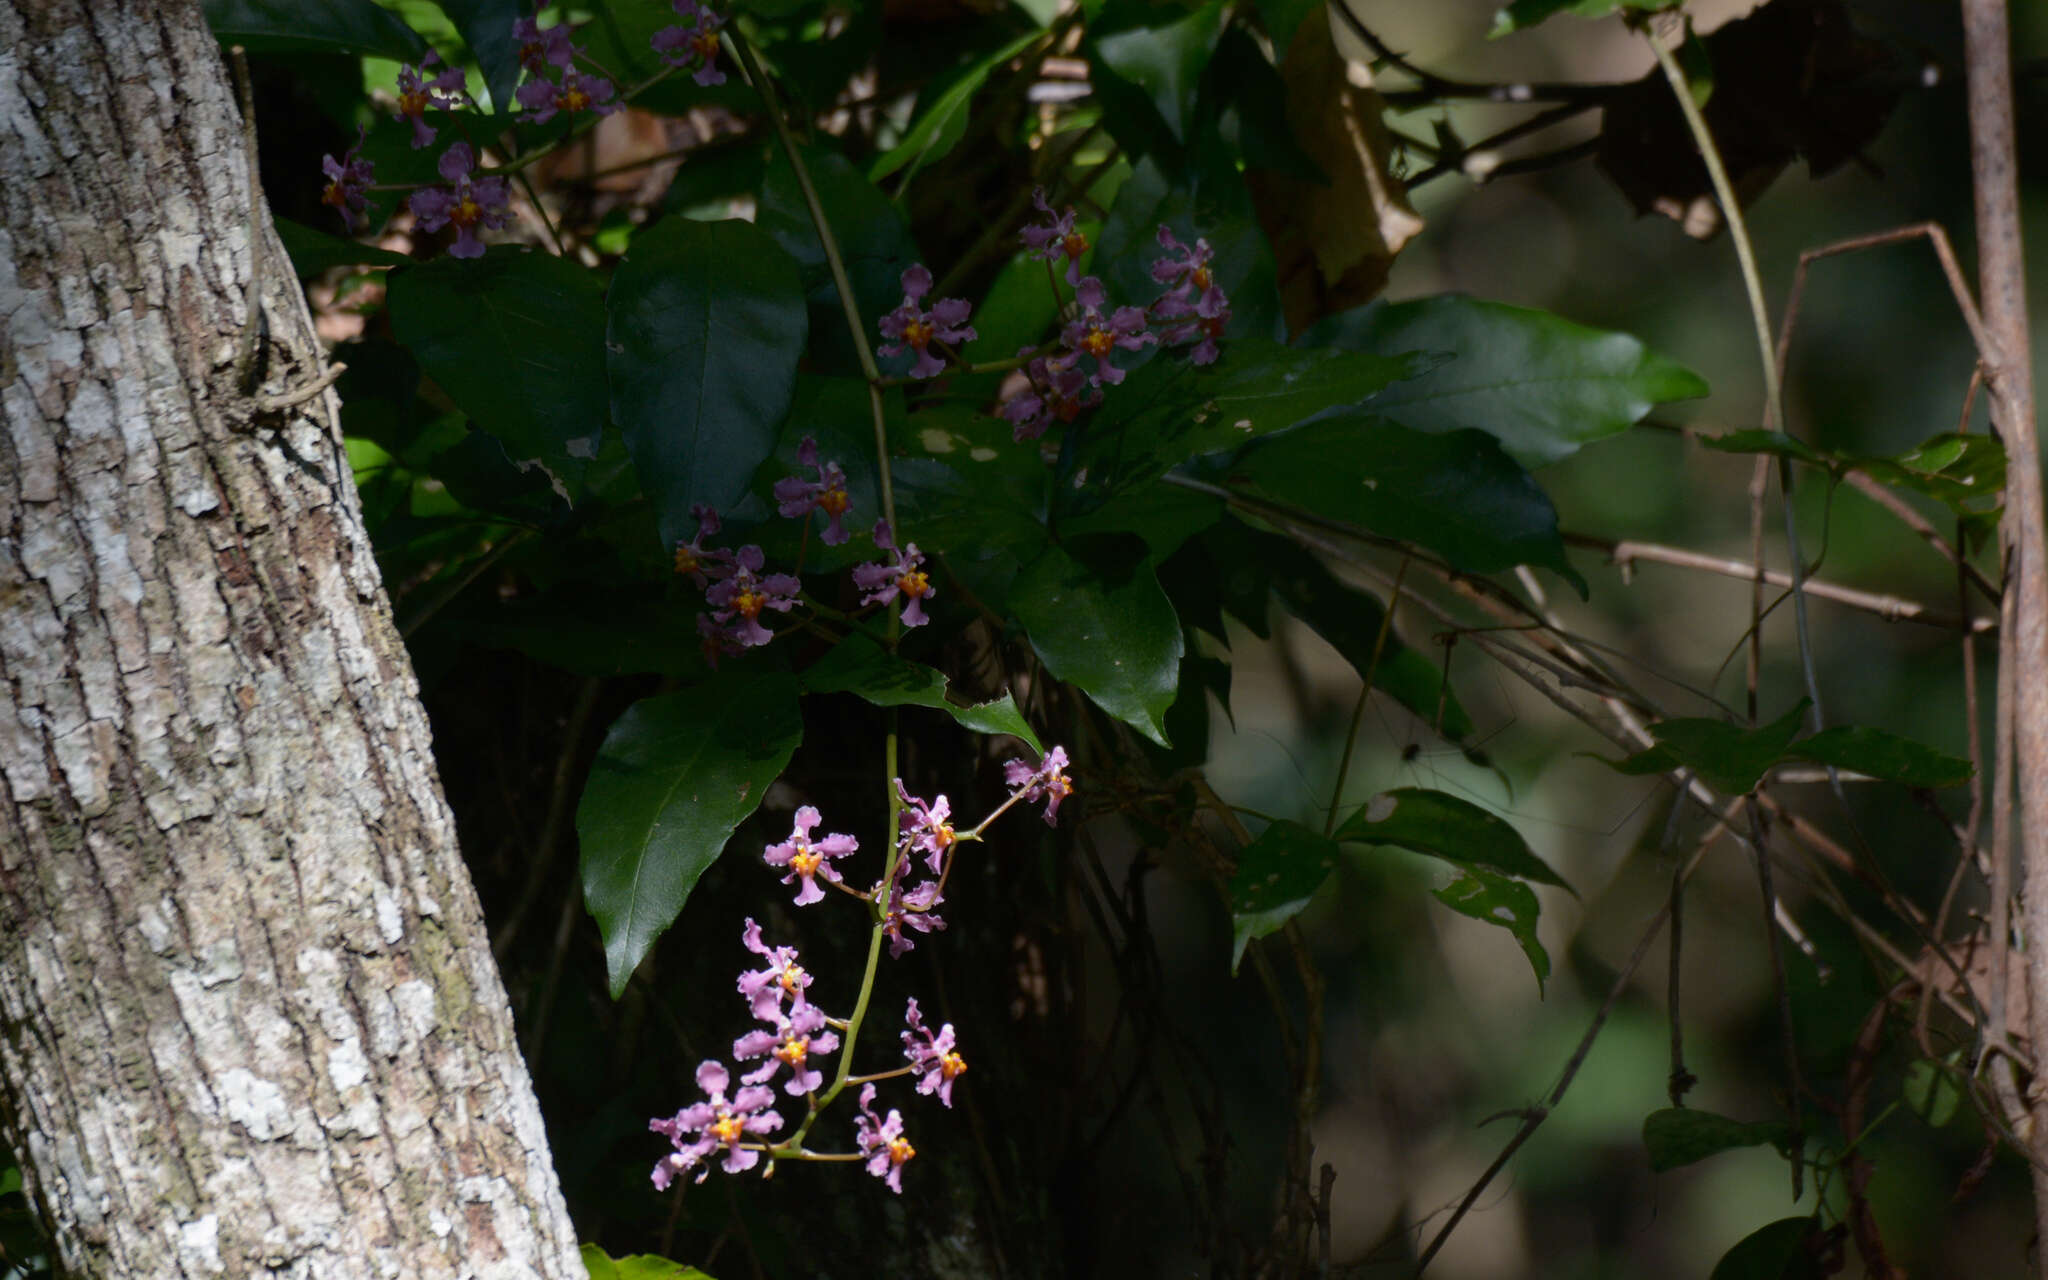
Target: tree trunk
x=249 y=1021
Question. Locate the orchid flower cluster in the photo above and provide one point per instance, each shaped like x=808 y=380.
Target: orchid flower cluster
x=735 y=1125
x=738 y=589
x=554 y=85
x=1065 y=379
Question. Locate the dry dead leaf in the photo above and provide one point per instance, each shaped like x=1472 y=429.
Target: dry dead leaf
x=1334 y=243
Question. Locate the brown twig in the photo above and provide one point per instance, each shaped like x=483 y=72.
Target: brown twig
x=2008 y=351
x=1890 y=608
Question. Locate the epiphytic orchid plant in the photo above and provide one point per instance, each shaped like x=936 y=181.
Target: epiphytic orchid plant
x=739 y=1127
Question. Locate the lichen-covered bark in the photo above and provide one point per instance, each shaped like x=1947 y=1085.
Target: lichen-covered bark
x=249 y=1022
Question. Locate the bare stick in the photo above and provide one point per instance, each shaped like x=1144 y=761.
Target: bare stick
x=1534 y=1117
x=2001 y=284
x=1890 y=608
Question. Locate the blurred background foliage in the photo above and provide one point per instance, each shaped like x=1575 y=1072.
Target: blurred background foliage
x=1129 y=1106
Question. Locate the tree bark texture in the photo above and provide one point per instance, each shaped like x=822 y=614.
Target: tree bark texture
x=249 y=1021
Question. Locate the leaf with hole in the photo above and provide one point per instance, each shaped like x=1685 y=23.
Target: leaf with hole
x=1276 y=876
x=1497 y=900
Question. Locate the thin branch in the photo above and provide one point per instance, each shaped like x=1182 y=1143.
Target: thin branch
x=1432 y=86
x=1891 y=608
x=2002 y=285
x=1535 y=1116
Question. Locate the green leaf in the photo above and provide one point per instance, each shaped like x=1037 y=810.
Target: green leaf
x=941 y=125
x=1154 y=67
x=1444 y=826
x=1276 y=876
x=1964 y=472
x=592 y=632
x=1170 y=411
x=1527 y=13
x=1282 y=18
x=1209 y=203
x=874 y=243
x=1877 y=754
x=314 y=26
x=1930 y=1090
x=1101 y=622
x=707 y=323
x=858 y=665
x=1728 y=757
x=1498 y=900
x=1678 y=1136
x=638 y=1266
x=486 y=27
x=1775 y=443
x=1164 y=515
x=1776 y=1251
x=1457 y=494
x=313 y=251
x=516 y=339
x=676 y=774
x=1540 y=384
x=1346 y=617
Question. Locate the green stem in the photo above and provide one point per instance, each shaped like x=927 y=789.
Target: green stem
x=1372 y=666
x=533 y=197
x=1760 y=316
x=581 y=127
x=830 y=243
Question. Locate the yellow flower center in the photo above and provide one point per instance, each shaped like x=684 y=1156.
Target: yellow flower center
x=792 y=1051
x=727 y=1128
x=413 y=101
x=1074 y=244
x=918 y=334
x=914 y=584
x=834 y=501
x=687 y=560
x=951 y=1065
x=1098 y=342
x=572 y=100
x=900 y=1150
x=706 y=44
x=748 y=603
x=805 y=861
x=791 y=978
x=1200 y=277
x=335 y=195
x=466 y=213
